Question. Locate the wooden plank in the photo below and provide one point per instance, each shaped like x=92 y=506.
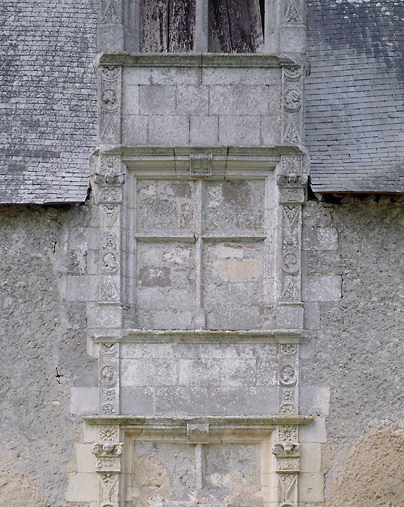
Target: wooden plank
x=181 y=26
x=235 y=26
x=153 y=37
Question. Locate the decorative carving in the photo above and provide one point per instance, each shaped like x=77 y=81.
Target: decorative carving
x=110 y=213
x=110 y=104
x=109 y=433
x=287 y=433
x=287 y=375
x=110 y=255
x=198 y=433
x=290 y=290
x=291 y=165
x=108 y=409
x=290 y=179
x=107 y=375
x=288 y=348
x=286 y=449
x=110 y=194
x=110 y=171
x=293 y=100
x=291 y=135
x=108 y=450
x=288 y=465
x=109 y=292
x=292 y=74
x=287 y=408
x=109 y=348
x=293 y=12
x=110 y=13
x=109 y=482
x=200 y=166
x=108 y=393
x=288 y=378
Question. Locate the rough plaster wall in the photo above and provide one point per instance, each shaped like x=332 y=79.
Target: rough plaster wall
x=358 y=348
x=40 y=331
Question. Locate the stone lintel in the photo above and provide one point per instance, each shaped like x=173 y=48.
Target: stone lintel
x=235 y=60
x=201 y=336
x=214 y=422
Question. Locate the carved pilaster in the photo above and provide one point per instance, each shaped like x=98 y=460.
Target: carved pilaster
x=110 y=91
x=288 y=378
x=108 y=466
x=287 y=467
x=110 y=12
x=108 y=181
x=109 y=379
x=292 y=107
x=292 y=186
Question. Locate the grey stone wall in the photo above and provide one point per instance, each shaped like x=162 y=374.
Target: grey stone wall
x=40 y=331
x=354 y=260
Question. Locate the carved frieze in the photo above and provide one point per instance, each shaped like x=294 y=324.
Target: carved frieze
x=110 y=104
x=109 y=380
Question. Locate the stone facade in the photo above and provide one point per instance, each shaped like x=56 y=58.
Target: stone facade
x=200 y=331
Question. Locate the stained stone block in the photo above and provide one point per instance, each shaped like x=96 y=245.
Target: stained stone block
x=183 y=401
x=251 y=100
x=137 y=400
x=234 y=207
x=169 y=130
x=321 y=288
x=221 y=100
x=134 y=129
x=157 y=99
x=193 y=100
x=166 y=206
x=204 y=130
x=233 y=289
x=320 y=238
x=239 y=130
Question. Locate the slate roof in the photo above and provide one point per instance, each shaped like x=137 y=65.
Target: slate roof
x=47 y=99
x=355 y=95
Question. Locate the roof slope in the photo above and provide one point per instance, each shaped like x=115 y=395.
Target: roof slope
x=355 y=95
x=47 y=99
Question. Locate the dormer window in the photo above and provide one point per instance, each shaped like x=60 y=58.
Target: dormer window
x=216 y=26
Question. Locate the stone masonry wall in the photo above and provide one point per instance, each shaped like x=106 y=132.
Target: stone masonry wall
x=354 y=305
x=41 y=331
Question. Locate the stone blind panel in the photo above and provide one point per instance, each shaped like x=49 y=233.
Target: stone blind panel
x=201 y=107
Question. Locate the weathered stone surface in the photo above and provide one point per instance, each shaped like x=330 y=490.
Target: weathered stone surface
x=39 y=333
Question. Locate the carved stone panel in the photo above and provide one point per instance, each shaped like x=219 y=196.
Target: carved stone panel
x=110 y=105
x=288 y=378
x=292 y=91
x=109 y=380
